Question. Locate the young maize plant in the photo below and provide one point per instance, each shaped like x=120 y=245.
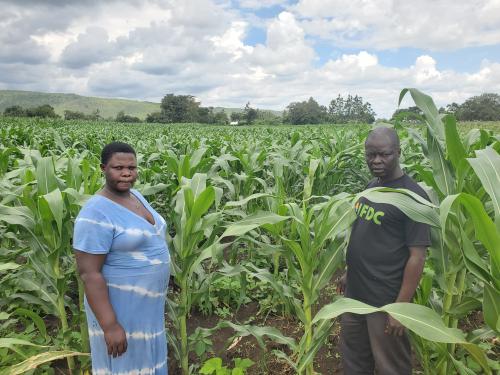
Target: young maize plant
x=270 y=206
x=463 y=186
x=46 y=211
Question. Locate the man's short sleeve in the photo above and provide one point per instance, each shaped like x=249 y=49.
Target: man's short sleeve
x=417 y=234
x=93 y=232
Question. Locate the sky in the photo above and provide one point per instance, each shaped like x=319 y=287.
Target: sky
x=266 y=52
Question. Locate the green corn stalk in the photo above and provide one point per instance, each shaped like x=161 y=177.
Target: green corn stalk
x=457 y=257
x=314 y=244
x=194 y=241
x=48 y=219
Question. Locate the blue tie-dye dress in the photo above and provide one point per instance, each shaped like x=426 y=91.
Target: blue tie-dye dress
x=136 y=270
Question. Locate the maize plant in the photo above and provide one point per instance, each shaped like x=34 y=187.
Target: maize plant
x=268 y=205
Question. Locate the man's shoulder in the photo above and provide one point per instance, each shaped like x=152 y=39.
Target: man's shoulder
x=409 y=183
x=372 y=183
x=404 y=182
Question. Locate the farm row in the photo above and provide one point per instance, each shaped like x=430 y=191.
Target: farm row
x=255 y=215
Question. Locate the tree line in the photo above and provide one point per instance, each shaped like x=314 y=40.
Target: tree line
x=341 y=110
x=484 y=107
x=47 y=111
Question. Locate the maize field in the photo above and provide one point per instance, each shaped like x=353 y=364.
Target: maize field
x=255 y=215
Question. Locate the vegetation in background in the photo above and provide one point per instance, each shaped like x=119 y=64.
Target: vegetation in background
x=44 y=111
x=185 y=109
x=107 y=107
x=351 y=109
x=484 y=107
x=340 y=111
x=306 y=112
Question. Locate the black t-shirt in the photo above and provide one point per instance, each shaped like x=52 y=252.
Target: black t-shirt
x=378 y=246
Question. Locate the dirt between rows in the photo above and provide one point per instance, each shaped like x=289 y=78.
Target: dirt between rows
x=327 y=359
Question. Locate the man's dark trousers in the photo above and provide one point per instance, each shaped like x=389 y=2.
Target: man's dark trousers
x=366 y=347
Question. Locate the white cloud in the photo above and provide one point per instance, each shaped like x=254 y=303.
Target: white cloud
x=231 y=41
x=259 y=4
x=286 y=51
x=425 y=70
x=144 y=50
x=384 y=24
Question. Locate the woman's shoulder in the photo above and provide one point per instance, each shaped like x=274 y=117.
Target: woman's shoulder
x=141 y=197
x=138 y=194
x=96 y=205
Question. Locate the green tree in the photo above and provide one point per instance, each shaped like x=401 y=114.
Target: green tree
x=410 y=114
x=122 y=117
x=221 y=118
x=452 y=108
x=249 y=114
x=179 y=108
x=14 y=111
x=268 y=118
x=236 y=116
x=350 y=109
x=44 y=110
x=205 y=115
x=485 y=107
x=413 y=109
x=74 y=115
x=154 y=117
x=306 y=112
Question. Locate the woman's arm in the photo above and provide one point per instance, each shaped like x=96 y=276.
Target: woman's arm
x=89 y=267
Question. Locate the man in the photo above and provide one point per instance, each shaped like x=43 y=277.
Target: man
x=385 y=259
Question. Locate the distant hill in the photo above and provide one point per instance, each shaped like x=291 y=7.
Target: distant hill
x=86 y=104
x=108 y=108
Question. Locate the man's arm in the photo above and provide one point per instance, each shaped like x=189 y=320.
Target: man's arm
x=89 y=267
x=411 y=278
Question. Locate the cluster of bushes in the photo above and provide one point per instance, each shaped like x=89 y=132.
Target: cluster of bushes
x=484 y=107
x=185 y=109
x=76 y=115
x=340 y=111
x=45 y=110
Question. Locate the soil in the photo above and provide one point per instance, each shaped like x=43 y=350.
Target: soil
x=226 y=347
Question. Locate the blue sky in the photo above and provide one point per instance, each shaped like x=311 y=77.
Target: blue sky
x=268 y=52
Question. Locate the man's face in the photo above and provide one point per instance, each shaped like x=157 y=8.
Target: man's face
x=382 y=156
x=120 y=171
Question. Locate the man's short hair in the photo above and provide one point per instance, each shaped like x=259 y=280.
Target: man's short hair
x=114 y=147
x=386 y=132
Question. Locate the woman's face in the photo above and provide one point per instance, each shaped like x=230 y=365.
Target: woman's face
x=120 y=171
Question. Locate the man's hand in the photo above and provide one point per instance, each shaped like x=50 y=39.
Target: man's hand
x=341 y=284
x=116 y=340
x=393 y=327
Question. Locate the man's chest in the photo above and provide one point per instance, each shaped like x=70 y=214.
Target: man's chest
x=378 y=216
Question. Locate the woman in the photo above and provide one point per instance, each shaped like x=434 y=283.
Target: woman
x=123 y=260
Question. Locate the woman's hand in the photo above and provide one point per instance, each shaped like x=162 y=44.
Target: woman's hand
x=116 y=339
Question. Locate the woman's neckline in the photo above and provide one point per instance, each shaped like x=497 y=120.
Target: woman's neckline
x=129 y=210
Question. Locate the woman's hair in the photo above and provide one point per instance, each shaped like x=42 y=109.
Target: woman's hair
x=114 y=147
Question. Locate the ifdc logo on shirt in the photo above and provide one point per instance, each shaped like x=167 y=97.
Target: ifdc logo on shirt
x=368 y=213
